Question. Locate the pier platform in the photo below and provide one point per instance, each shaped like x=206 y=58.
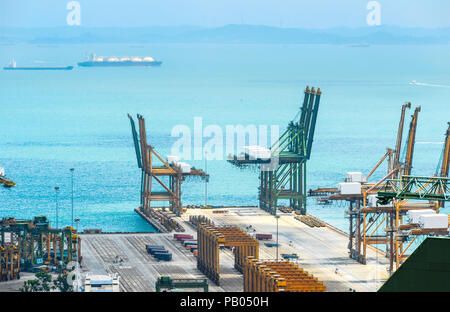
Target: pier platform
x=322 y=251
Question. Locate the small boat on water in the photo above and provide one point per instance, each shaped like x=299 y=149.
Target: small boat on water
x=13 y=66
x=4 y=180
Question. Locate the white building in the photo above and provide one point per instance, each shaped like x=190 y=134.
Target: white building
x=101 y=283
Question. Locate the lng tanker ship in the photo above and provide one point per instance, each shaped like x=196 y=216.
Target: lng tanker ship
x=112 y=61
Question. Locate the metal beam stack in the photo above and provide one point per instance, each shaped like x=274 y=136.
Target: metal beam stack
x=276 y=276
x=211 y=238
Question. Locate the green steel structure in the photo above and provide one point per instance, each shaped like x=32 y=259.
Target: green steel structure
x=39 y=244
x=427 y=269
x=283 y=177
x=166 y=282
x=412 y=187
x=138 y=156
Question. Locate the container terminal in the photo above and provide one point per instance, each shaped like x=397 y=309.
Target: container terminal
x=269 y=248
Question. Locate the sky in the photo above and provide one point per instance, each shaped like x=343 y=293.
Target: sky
x=215 y=13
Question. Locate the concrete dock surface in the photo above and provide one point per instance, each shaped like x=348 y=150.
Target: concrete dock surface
x=322 y=252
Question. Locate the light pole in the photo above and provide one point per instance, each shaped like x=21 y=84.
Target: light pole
x=56 y=203
x=77 y=270
x=71 y=171
x=277 y=217
x=206 y=181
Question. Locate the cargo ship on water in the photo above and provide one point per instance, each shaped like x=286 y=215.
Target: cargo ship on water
x=114 y=61
x=13 y=66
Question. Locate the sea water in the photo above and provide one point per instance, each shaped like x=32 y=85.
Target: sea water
x=52 y=121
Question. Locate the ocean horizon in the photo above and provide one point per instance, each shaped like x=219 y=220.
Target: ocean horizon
x=56 y=120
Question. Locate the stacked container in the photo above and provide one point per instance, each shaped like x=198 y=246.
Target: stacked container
x=433 y=221
x=355 y=177
x=349 y=188
x=159 y=252
x=413 y=215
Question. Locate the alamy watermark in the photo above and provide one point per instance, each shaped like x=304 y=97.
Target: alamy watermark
x=374 y=16
x=214 y=142
x=74 y=15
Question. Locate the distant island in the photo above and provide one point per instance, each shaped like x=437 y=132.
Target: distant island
x=236 y=34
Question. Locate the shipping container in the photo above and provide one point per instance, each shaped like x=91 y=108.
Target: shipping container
x=351 y=188
x=172 y=160
x=257 y=152
x=433 y=221
x=184 y=167
x=184 y=237
x=152 y=250
x=263 y=236
x=149 y=246
x=413 y=215
x=163 y=256
x=355 y=177
x=188 y=247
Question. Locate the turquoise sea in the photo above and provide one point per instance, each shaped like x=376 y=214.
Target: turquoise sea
x=52 y=121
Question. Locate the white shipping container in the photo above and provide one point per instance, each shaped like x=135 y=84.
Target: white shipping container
x=184 y=167
x=251 y=151
x=413 y=215
x=172 y=160
x=355 y=177
x=257 y=152
x=260 y=152
x=436 y=221
x=352 y=188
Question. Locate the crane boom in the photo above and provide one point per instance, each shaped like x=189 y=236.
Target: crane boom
x=136 y=142
x=411 y=142
x=312 y=127
x=446 y=155
x=400 y=135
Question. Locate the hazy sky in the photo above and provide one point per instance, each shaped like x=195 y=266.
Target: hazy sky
x=285 y=13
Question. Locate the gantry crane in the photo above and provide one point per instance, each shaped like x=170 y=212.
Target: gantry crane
x=154 y=173
x=283 y=175
x=362 y=230
x=375 y=220
x=36 y=243
x=394 y=194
